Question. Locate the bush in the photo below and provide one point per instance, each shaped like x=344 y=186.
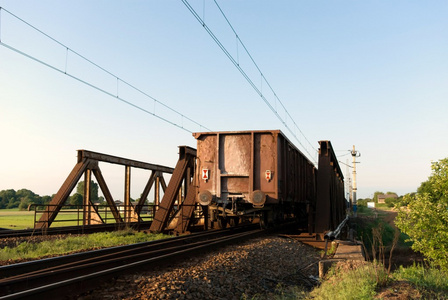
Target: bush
x=362 y=202
x=390 y=202
x=425 y=220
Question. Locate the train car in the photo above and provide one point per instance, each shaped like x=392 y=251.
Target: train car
x=253 y=174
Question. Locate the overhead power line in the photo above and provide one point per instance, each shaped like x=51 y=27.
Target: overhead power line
x=114 y=94
x=235 y=62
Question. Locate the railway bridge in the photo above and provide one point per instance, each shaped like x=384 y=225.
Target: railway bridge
x=178 y=203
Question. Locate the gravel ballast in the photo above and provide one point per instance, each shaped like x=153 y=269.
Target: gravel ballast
x=259 y=267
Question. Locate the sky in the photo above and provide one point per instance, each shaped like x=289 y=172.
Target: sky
x=373 y=74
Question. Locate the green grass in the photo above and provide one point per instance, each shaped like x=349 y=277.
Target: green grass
x=73 y=244
x=364 y=231
x=383 y=206
x=373 y=218
x=378 y=211
x=16 y=219
x=364 y=282
x=20 y=219
x=432 y=282
x=345 y=281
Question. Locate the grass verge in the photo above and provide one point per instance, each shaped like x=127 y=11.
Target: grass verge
x=26 y=250
x=365 y=280
x=431 y=282
x=351 y=280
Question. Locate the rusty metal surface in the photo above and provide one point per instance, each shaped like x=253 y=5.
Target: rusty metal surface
x=127 y=193
x=181 y=220
x=181 y=179
x=237 y=162
x=330 y=202
x=248 y=164
x=88 y=163
x=85 y=154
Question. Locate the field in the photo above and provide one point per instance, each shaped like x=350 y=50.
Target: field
x=15 y=219
x=20 y=219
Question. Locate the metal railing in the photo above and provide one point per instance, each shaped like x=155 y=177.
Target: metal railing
x=74 y=215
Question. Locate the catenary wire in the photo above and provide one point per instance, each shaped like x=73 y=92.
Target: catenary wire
x=248 y=79
x=2 y=43
x=93 y=86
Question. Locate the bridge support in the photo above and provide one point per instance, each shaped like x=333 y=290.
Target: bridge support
x=330 y=200
x=178 y=203
x=88 y=164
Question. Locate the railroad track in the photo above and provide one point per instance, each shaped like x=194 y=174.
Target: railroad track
x=77 y=273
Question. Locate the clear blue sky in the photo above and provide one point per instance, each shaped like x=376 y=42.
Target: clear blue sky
x=368 y=73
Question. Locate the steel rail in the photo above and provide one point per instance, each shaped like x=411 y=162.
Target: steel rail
x=79 y=276
x=41 y=264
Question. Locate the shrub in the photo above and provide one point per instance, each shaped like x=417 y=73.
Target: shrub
x=425 y=220
x=390 y=202
x=362 y=202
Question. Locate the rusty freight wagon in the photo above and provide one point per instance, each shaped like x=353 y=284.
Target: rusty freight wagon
x=243 y=175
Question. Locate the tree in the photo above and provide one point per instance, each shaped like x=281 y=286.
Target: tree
x=93 y=190
x=392 y=193
x=9 y=198
x=101 y=200
x=46 y=199
x=425 y=220
x=26 y=197
x=3 y=201
x=21 y=199
x=25 y=202
x=76 y=199
x=375 y=196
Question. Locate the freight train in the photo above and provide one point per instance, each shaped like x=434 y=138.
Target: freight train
x=246 y=175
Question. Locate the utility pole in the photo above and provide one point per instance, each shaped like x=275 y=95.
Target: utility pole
x=355 y=154
x=348 y=185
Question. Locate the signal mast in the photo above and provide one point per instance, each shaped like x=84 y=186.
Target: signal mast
x=355 y=154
